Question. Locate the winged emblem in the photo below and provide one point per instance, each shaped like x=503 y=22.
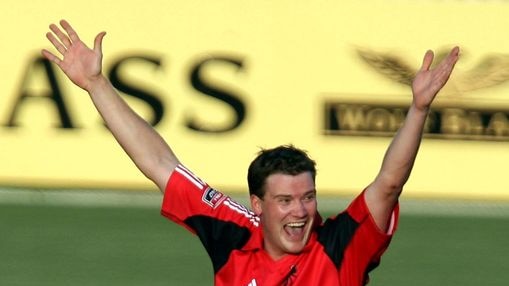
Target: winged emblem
x=490 y=71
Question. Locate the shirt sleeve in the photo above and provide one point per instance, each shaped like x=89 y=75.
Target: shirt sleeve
x=222 y=224
x=369 y=242
x=186 y=196
x=354 y=242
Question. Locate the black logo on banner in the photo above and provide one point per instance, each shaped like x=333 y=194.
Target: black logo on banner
x=453 y=116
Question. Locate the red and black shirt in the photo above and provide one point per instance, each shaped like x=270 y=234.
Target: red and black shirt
x=341 y=250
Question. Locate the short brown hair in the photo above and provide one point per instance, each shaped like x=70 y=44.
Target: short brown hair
x=284 y=159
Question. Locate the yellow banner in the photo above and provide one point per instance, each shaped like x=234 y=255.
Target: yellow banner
x=220 y=79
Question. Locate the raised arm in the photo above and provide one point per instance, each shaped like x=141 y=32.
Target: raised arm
x=139 y=140
x=382 y=195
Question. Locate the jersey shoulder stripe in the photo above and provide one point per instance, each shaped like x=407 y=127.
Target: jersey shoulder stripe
x=190 y=176
x=233 y=205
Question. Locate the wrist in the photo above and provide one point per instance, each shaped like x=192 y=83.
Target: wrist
x=97 y=83
x=420 y=109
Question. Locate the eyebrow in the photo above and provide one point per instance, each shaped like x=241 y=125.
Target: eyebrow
x=313 y=191
x=281 y=196
x=290 y=196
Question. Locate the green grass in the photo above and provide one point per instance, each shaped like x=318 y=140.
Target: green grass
x=45 y=245
x=429 y=250
x=63 y=245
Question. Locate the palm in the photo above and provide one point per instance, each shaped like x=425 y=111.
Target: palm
x=425 y=86
x=428 y=82
x=80 y=63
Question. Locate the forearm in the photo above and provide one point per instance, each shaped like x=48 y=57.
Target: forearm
x=139 y=140
x=400 y=156
x=382 y=195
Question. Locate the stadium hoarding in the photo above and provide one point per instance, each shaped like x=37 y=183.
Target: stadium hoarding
x=220 y=80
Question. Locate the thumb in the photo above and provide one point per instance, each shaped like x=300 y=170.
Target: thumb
x=98 y=42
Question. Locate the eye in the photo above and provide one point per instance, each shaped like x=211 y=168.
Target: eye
x=284 y=201
x=310 y=197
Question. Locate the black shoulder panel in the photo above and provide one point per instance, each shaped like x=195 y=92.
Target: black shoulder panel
x=218 y=237
x=335 y=234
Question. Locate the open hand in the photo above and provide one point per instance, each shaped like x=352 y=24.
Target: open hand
x=428 y=82
x=81 y=64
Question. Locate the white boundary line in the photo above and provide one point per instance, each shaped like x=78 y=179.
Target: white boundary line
x=153 y=199
x=81 y=198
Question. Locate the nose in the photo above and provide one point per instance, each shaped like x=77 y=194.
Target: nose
x=300 y=210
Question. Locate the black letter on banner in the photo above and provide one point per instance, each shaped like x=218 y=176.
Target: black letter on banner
x=210 y=90
x=55 y=94
x=123 y=86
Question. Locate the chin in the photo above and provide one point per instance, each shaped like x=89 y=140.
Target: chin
x=294 y=247
x=296 y=250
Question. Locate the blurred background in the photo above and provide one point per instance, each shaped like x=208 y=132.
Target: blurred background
x=220 y=80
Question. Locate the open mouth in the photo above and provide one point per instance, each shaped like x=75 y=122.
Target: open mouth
x=295 y=230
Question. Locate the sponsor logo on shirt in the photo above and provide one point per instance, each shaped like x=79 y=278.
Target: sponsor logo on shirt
x=212 y=197
x=252 y=283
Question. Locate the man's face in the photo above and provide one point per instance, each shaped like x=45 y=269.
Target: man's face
x=287 y=212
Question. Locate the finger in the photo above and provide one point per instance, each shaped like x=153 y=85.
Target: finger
x=428 y=59
x=56 y=43
x=47 y=54
x=63 y=38
x=454 y=55
x=455 y=51
x=70 y=31
x=98 y=42
x=448 y=64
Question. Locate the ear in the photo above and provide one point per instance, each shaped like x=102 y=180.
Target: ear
x=256 y=204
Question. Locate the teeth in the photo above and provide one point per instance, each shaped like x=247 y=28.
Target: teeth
x=296 y=224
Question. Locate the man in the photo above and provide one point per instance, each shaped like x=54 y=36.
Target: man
x=283 y=240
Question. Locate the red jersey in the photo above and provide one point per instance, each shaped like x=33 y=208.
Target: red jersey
x=340 y=251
